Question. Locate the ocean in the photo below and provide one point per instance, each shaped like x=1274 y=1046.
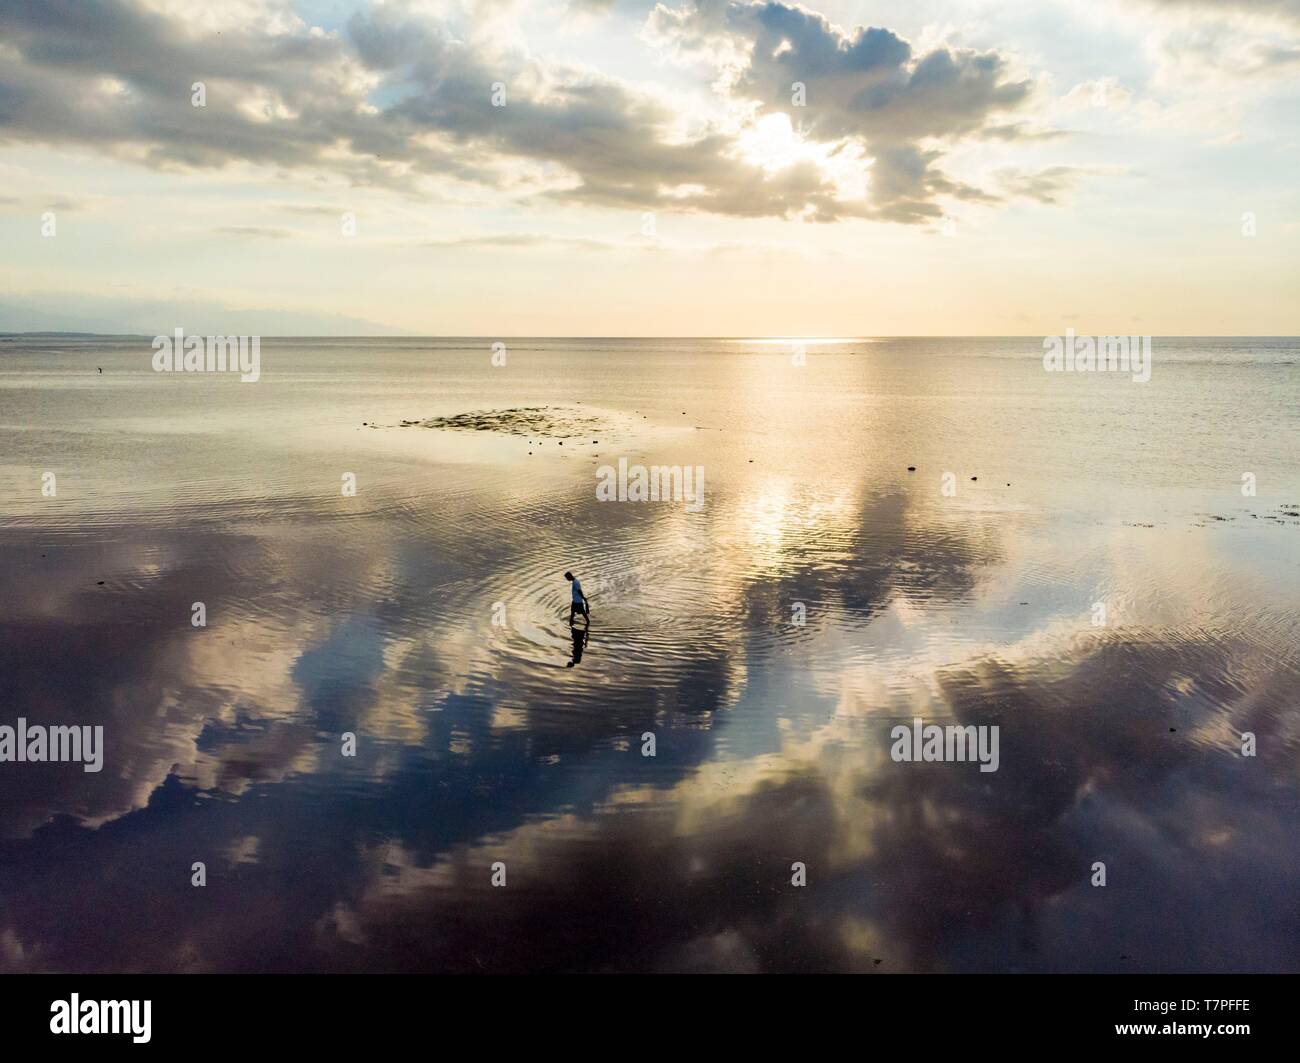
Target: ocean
x=322 y=620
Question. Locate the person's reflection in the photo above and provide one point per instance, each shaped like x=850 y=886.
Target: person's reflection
x=579 y=644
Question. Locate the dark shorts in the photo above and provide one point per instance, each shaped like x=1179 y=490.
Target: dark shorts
x=577 y=607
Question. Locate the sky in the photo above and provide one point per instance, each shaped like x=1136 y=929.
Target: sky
x=625 y=168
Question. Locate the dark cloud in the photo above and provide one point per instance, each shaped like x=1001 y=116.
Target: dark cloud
x=616 y=142
x=869 y=86
x=114 y=76
x=870 y=83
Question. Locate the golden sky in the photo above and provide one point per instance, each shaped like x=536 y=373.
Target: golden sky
x=610 y=167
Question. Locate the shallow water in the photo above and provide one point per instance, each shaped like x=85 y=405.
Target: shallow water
x=427 y=615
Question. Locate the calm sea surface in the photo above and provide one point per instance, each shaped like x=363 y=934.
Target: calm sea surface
x=1095 y=581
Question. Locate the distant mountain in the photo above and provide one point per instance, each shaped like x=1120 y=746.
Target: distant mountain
x=28 y=319
x=96 y=315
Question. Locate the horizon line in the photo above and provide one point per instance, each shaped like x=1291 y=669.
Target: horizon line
x=549 y=336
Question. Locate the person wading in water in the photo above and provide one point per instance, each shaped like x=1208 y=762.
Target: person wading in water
x=579 y=604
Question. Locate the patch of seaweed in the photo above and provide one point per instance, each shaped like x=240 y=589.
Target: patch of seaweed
x=529 y=421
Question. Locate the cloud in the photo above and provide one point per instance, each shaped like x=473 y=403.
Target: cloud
x=868 y=83
x=619 y=144
x=257 y=231
x=1020 y=131
x=868 y=86
x=1052 y=184
x=524 y=241
x=590 y=9
x=1190 y=54
x=64 y=204
x=117 y=76
x=528 y=241
x=1287 y=10
x=1098 y=93
x=1190 y=43
x=401 y=98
